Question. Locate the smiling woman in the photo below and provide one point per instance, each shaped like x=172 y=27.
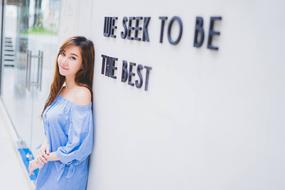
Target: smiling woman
x=68 y=120
x=69 y=61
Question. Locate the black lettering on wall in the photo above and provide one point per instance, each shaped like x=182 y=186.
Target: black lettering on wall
x=163 y=19
x=148 y=69
x=145 y=29
x=212 y=32
x=138 y=28
x=130 y=71
x=109 y=66
x=110 y=69
x=110 y=26
x=113 y=26
x=125 y=32
x=180 y=30
x=106 y=27
x=199 y=32
x=139 y=82
x=131 y=74
x=130 y=28
x=103 y=64
x=125 y=74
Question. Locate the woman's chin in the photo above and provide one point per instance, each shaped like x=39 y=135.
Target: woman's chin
x=62 y=73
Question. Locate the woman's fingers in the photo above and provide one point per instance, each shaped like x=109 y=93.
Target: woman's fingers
x=47 y=150
x=42 y=156
x=47 y=157
x=44 y=160
x=41 y=159
x=43 y=150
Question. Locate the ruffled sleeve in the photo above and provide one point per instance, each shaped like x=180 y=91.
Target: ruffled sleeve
x=80 y=135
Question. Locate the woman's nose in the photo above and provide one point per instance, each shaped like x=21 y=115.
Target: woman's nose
x=64 y=60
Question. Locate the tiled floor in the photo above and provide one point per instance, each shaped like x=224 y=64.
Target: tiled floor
x=12 y=173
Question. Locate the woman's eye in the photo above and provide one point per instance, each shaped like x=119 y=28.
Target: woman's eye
x=62 y=53
x=73 y=58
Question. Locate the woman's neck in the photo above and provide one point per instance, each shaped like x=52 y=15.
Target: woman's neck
x=70 y=82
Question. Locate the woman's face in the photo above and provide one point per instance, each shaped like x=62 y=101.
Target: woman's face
x=69 y=61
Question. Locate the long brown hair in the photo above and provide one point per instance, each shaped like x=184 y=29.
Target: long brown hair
x=84 y=77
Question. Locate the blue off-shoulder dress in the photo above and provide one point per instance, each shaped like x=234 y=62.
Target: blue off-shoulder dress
x=69 y=131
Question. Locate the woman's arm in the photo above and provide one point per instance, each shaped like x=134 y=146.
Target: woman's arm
x=41 y=157
x=46 y=154
x=80 y=134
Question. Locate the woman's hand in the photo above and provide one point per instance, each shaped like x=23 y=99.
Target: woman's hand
x=33 y=165
x=43 y=154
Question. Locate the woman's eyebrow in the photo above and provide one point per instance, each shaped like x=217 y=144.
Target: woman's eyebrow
x=74 y=54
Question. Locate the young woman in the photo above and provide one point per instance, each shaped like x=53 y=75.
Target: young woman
x=68 y=121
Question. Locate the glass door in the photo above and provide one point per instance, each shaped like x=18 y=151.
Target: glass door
x=15 y=94
x=44 y=44
x=30 y=49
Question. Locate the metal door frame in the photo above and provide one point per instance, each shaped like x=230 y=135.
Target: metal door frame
x=1 y=42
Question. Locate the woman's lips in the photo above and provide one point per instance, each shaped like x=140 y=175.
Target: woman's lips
x=63 y=68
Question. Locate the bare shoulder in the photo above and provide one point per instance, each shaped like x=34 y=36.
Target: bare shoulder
x=82 y=95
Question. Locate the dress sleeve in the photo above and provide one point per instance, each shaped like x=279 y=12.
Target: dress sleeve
x=80 y=136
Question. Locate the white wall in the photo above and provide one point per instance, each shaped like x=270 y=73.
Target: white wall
x=210 y=119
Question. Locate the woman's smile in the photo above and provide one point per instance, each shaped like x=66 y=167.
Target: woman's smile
x=64 y=68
